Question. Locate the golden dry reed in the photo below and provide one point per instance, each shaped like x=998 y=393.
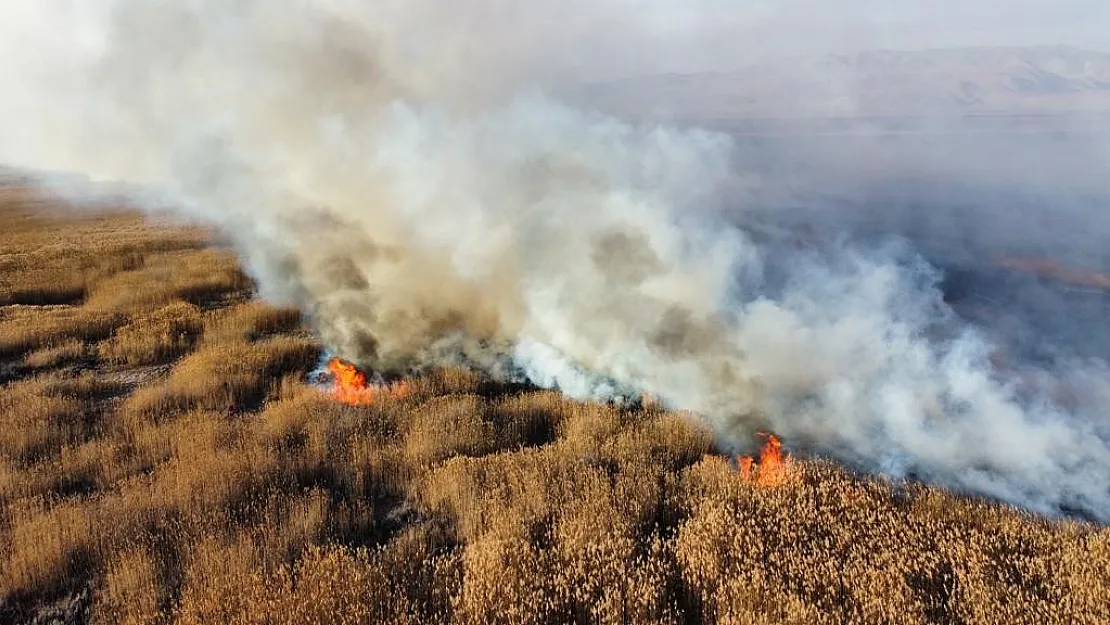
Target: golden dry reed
x=163 y=460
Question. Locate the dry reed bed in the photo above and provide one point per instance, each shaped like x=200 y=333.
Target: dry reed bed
x=161 y=450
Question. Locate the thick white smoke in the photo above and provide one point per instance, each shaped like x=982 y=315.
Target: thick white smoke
x=394 y=169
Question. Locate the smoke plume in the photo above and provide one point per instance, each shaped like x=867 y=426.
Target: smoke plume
x=407 y=174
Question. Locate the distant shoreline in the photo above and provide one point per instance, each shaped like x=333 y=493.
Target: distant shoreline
x=867 y=125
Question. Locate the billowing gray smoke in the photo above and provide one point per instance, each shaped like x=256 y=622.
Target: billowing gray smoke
x=395 y=170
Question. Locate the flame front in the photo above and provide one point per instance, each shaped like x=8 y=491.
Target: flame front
x=351 y=386
x=772 y=467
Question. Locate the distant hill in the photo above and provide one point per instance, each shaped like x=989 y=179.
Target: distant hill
x=976 y=81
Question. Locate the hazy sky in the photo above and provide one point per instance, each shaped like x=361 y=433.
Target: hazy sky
x=606 y=37
x=724 y=32
x=1012 y=22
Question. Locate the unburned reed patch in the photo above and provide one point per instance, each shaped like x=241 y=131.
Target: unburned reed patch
x=37 y=423
x=201 y=277
x=235 y=582
x=529 y=419
x=574 y=530
x=515 y=490
x=46 y=413
x=43 y=287
x=49 y=257
x=24 y=329
x=449 y=426
x=209 y=466
x=76 y=471
x=71 y=351
x=447 y=381
x=223 y=377
x=156 y=337
x=671 y=440
x=250 y=321
x=132 y=591
x=51 y=547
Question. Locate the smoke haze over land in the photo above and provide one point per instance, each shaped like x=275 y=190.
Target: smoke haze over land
x=408 y=175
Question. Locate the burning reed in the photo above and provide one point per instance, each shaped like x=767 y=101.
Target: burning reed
x=424 y=216
x=773 y=466
x=350 y=385
x=219 y=487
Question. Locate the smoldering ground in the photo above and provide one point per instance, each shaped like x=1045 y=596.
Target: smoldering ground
x=407 y=175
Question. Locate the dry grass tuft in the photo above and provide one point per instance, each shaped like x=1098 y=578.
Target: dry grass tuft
x=132 y=591
x=24 y=330
x=251 y=321
x=47 y=413
x=67 y=352
x=200 y=277
x=224 y=377
x=157 y=337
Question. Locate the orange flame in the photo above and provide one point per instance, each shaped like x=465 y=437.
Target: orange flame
x=351 y=386
x=772 y=467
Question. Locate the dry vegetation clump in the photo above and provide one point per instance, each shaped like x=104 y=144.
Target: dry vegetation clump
x=224 y=377
x=45 y=414
x=26 y=329
x=156 y=337
x=201 y=277
x=163 y=460
x=58 y=354
x=50 y=256
x=251 y=321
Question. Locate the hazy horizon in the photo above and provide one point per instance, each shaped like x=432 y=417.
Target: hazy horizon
x=709 y=35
